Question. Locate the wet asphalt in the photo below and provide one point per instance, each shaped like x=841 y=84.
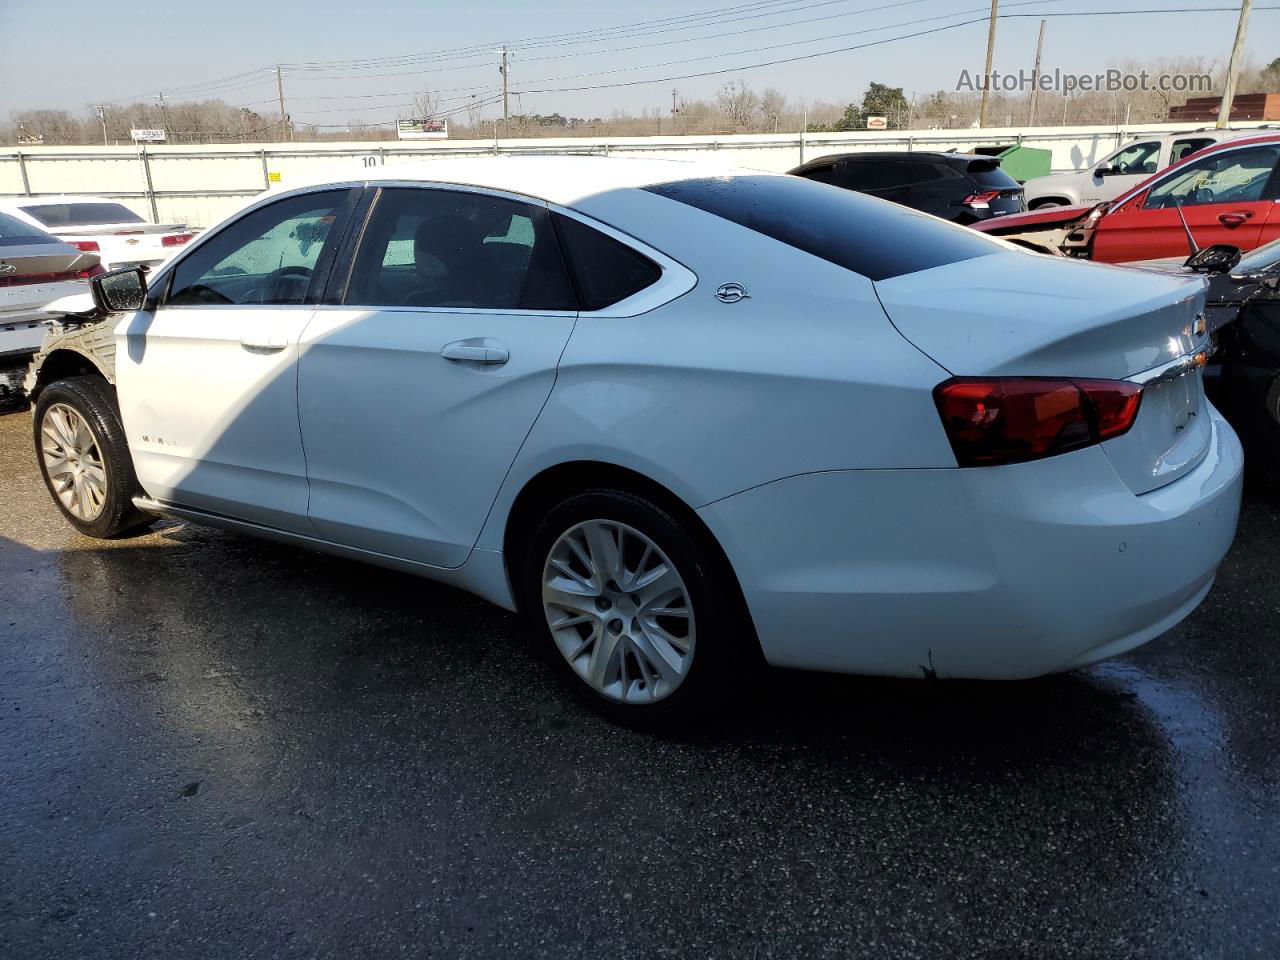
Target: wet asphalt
x=212 y=746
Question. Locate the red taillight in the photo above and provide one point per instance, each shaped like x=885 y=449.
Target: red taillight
x=1013 y=419
x=175 y=239
x=92 y=272
x=981 y=199
x=29 y=279
x=85 y=246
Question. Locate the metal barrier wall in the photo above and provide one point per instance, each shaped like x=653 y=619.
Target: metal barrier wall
x=198 y=185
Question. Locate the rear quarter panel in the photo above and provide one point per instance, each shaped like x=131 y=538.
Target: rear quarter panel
x=806 y=374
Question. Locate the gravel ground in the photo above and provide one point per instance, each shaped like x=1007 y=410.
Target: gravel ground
x=218 y=747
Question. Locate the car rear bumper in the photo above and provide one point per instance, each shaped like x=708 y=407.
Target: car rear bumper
x=1000 y=572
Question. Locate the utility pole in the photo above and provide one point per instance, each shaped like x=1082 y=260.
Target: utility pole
x=285 y=131
x=1035 y=78
x=102 y=118
x=505 y=112
x=674 y=108
x=164 y=117
x=1233 y=65
x=991 y=49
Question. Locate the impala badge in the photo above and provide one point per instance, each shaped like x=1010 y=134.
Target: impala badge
x=7 y=268
x=731 y=292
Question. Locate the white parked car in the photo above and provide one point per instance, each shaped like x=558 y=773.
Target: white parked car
x=1121 y=169
x=35 y=269
x=102 y=226
x=681 y=418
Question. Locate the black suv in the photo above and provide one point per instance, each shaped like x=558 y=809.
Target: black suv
x=954 y=186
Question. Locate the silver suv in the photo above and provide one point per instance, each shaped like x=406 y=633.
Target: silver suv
x=1117 y=172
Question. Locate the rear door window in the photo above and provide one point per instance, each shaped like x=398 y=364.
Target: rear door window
x=81 y=214
x=1184 y=148
x=426 y=247
x=871 y=238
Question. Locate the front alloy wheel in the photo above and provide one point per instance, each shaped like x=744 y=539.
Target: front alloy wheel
x=73 y=462
x=619 y=611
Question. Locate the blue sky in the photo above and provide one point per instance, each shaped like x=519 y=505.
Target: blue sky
x=72 y=53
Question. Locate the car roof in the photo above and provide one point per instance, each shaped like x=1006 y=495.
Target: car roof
x=10 y=202
x=901 y=155
x=556 y=178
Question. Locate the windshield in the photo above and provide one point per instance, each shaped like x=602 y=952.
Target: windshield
x=81 y=214
x=13 y=232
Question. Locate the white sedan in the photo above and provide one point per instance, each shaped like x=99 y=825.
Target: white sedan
x=101 y=226
x=682 y=418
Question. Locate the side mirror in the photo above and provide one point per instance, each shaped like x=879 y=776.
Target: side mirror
x=119 y=291
x=1219 y=258
x=1105 y=171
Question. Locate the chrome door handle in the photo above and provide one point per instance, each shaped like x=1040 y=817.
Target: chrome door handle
x=263 y=343
x=476 y=350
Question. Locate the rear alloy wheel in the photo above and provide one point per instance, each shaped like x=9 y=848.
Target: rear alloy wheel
x=619 y=612
x=644 y=618
x=83 y=456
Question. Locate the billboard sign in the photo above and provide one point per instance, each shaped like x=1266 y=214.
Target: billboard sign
x=877 y=123
x=422 y=129
x=147 y=135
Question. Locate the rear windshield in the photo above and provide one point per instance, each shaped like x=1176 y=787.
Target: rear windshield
x=13 y=232
x=987 y=173
x=871 y=237
x=81 y=214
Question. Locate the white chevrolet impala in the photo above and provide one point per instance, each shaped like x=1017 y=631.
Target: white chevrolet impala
x=681 y=418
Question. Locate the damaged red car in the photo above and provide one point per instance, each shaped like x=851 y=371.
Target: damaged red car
x=1227 y=193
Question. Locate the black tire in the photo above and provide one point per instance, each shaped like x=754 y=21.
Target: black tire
x=94 y=400
x=1047 y=203
x=724 y=652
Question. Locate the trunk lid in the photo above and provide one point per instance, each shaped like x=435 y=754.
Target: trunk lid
x=1027 y=315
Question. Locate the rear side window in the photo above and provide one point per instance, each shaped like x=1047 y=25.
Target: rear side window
x=606 y=271
x=870 y=175
x=1184 y=148
x=13 y=232
x=426 y=247
x=989 y=175
x=81 y=214
x=871 y=237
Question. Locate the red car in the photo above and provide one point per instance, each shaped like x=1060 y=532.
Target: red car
x=1228 y=193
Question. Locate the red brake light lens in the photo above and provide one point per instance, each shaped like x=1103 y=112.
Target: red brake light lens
x=92 y=272
x=85 y=246
x=175 y=239
x=999 y=420
x=981 y=199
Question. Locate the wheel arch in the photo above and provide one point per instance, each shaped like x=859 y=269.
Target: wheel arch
x=63 y=362
x=562 y=480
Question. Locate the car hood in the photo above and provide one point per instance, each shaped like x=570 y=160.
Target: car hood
x=1036 y=219
x=1025 y=314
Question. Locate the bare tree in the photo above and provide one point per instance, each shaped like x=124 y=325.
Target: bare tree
x=738 y=103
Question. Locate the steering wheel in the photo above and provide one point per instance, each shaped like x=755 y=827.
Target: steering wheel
x=287 y=284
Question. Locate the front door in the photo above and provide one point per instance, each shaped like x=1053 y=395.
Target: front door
x=1125 y=169
x=416 y=393
x=1225 y=197
x=208 y=379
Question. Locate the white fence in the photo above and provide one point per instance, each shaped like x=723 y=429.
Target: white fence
x=198 y=185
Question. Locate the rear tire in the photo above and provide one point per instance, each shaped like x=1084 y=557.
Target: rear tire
x=1046 y=204
x=84 y=457
x=636 y=614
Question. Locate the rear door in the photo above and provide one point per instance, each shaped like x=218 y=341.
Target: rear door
x=208 y=379
x=1226 y=197
x=419 y=384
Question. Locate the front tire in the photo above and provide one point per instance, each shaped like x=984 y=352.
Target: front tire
x=84 y=457
x=636 y=612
